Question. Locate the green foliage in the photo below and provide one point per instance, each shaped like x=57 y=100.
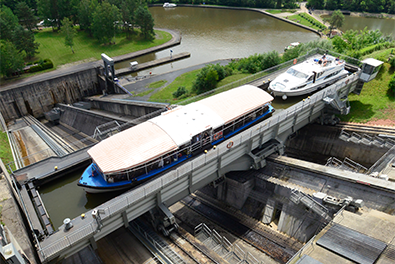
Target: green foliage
x=69 y=32
x=85 y=11
x=337 y=19
x=392 y=62
x=5 y=150
x=24 y=41
x=181 y=91
x=146 y=23
x=206 y=80
x=358 y=43
x=391 y=84
x=8 y=23
x=41 y=65
x=304 y=48
x=256 y=63
x=376 y=47
x=307 y=20
x=25 y=15
x=11 y=59
x=104 y=22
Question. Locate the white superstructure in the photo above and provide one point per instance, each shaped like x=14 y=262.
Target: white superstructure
x=308 y=76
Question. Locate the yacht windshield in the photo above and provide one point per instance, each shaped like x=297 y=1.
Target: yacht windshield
x=297 y=74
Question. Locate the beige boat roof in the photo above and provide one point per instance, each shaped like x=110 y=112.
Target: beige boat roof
x=131 y=147
x=165 y=133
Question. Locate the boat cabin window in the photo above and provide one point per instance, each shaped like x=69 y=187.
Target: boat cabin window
x=310 y=78
x=296 y=73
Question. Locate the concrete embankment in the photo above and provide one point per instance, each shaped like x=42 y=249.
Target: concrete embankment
x=153 y=63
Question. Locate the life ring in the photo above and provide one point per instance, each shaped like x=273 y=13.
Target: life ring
x=230 y=144
x=217 y=135
x=295 y=61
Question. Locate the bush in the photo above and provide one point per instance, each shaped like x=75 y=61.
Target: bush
x=392 y=62
x=180 y=92
x=391 y=85
x=42 y=65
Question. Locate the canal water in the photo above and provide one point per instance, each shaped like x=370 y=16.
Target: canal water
x=211 y=34
x=387 y=26
x=64 y=199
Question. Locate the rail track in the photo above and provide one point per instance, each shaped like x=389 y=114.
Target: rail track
x=361 y=128
x=279 y=247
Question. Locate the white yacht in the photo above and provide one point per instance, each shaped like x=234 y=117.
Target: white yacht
x=169 y=5
x=308 y=76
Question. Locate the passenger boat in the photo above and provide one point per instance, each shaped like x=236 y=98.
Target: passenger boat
x=169 y=5
x=309 y=76
x=150 y=148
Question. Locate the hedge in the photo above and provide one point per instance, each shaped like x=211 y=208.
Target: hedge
x=45 y=64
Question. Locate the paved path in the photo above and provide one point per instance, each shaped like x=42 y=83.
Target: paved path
x=139 y=86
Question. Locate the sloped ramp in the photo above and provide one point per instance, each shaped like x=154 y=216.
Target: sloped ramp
x=352 y=245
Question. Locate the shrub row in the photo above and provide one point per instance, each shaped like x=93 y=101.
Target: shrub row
x=312 y=21
x=41 y=65
x=379 y=46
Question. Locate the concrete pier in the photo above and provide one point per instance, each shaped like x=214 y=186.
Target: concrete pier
x=153 y=63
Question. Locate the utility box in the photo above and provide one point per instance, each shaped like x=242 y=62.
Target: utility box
x=133 y=64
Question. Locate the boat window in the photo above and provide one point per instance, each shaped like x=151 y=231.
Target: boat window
x=296 y=73
x=310 y=78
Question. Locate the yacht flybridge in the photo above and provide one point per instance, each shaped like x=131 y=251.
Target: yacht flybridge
x=308 y=76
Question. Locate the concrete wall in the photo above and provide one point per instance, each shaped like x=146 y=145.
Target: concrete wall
x=125 y=108
x=318 y=143
x=82 y=120
x=36 y=98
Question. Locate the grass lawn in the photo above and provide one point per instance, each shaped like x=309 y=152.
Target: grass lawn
x=52 y=46
x=278 y=11
x=375 y=101
x=186 y=80
x=304 y=21
x=5 y=150
x=166 y=94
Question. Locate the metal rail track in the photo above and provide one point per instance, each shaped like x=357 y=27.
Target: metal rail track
x=390 y=131
x=175 y=237
x=56 y=143
x=273 y=245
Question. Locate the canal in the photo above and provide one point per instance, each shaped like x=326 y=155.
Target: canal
x=211 y=34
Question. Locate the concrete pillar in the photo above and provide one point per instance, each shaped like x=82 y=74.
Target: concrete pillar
x=125 y=219
x=268 y=212
x=92 y=241
x=238 y=192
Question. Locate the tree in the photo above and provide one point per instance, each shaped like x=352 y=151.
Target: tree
x=206 y=79
x=68 y=31
x=48 y=11
x=24 y=41
x=8 y=23
x=146 y=22
x=85 y=11
x=337 y=19
x=11 y=59
x=128 y=10
x=104 y=22
x=25 y=15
